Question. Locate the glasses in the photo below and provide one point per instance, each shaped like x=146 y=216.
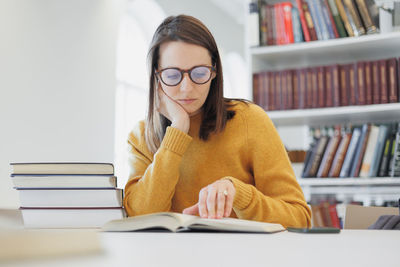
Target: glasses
x=173 y=76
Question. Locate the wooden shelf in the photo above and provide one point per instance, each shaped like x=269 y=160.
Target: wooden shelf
x=380 y=181
x=337 y=115
x=341 y=50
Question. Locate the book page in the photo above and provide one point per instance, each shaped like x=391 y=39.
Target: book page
x=230 y=224
x=164 y=220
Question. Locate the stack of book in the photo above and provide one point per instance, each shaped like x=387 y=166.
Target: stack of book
x=361 y=151
x=67 y=195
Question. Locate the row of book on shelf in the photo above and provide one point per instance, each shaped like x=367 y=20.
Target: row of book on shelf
x=357 y=83
x=310 y=20
x=361 y=151
x=67 y=195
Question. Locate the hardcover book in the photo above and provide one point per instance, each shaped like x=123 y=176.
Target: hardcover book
x=62 y=168
x=369 y=151
x=176 y=222
x=69 y=217
x=70 y=198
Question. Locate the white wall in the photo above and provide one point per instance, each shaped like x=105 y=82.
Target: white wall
x=57 y=83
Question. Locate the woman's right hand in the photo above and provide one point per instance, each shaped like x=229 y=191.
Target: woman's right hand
x=173 y=111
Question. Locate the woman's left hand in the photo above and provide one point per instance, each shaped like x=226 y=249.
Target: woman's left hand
x=215 y=200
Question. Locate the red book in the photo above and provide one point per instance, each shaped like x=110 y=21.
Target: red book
x=309 y=21
x=334 y=216
x=296 y=90
x=314 y=86
x=270 y=24
x=289 y=91
x=302 y=87
x=279 y=24
x=303 y=22
x=264 y=91
x=368 y=83
x=384 y=79
x=335 y=85
x=278 y=90
x=256 y=88
x=328 y=87
x=376 y=81
x=309 y=88
x=321 y=86
x=287 y=17
x=352 y=82
x=283 y=90
x=271 y=90
x=393 y=80
x=344 y=84
x=360 y=83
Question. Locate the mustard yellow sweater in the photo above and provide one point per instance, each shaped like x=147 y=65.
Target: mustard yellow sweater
x=248 y=151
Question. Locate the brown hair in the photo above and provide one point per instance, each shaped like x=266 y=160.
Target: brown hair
x=215 y=114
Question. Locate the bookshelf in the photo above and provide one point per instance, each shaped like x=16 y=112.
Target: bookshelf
x=293 y=124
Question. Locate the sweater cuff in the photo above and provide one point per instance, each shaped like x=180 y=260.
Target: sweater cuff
x=243 y=195
x=176 y=140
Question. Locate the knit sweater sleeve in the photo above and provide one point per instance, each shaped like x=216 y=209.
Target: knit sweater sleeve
x=153 y=178
x=275 y=196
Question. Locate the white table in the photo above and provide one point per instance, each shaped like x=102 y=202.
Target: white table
x=349 y=248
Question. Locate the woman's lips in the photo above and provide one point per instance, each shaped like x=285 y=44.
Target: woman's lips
x=186 y=101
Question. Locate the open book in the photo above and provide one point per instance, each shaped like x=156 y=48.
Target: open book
x=177 y=222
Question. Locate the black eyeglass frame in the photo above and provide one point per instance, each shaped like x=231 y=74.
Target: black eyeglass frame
x=188 y=71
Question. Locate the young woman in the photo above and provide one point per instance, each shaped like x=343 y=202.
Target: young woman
x=200 y=153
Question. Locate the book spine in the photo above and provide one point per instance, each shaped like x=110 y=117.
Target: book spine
x=302 y=87
x=289 y=84
x=297 y=31
x=314 y=83
x=318 y=156
x=361 y=99
x=315 y=19
x=338 y=21
x=263 y=24
x=309 y=21
x=256 y=88
x=376 y=81
x=303 y=22
x=344 y=88
x=271 y=90
x=366 y=18
x=334 y=216
x=309 y=88
x=321 y=86
x=348 y=160
x=384 y=165
x=355 y=169
x=288 y=23
x=345 y=19
x=393 y=80
x=253 y=22
x=352 y=11
x=383 y=78
x=278 y=91
x=264 y=91
x=329 y=22
x=284 y=94
x=329 y=155
x=295 y=89
x=368 y=83
x=353 y=82
x=395 y=164
x=376 y=158
x=269 y=9
x=369 y=151
x=336 y=85
x=339 y=157
x=328 y=87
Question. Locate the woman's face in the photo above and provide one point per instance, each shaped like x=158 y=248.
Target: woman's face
x=184 y=56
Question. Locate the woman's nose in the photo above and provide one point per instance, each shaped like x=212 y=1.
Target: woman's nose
x=186 y=84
